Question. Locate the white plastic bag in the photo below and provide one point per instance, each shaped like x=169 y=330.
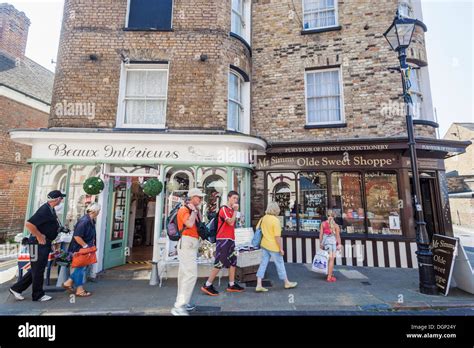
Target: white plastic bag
x=321 y=262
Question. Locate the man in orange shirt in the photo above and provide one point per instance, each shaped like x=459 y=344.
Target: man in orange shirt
x=188 y=217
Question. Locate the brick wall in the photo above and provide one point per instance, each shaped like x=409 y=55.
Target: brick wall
x=282 y=53
x=14 y=170
x=197 y=91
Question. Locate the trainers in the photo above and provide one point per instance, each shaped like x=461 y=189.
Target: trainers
x=181 y=311
x=209 y=290
x=45 y=298
x=190 y=307
x=17 y=295
x=235 y=288
x=291 y=285
x=261 y=289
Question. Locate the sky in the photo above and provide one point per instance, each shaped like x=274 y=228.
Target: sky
x=449 y=42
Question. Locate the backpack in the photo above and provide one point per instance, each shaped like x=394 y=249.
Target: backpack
x=213 y=228
x=174 y=233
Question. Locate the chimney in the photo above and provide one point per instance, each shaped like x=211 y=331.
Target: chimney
x=14 y=26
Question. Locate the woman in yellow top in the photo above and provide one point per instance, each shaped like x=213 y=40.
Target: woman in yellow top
x=272 y=245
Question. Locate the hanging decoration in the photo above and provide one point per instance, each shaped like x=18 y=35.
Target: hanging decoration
x=152 y=187
x=93 y=185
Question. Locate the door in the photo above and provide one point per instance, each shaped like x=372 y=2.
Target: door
x=117 y=223
x=428 y=196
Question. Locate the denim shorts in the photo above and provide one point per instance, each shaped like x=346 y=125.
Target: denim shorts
x=329 y=242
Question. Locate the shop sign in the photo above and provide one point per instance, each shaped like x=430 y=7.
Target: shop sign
x=345 y=161
x=444 y=252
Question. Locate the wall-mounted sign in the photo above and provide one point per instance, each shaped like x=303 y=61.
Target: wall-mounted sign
x=345 y=160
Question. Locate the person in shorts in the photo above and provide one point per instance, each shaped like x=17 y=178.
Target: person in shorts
x=330 y=237
x=226 y=256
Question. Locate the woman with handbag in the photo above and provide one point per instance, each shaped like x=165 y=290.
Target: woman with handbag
x=83 y=249
x=272 y=245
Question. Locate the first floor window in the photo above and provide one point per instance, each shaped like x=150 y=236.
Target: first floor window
x=238 y=103
x=144 y=96
x=324 y=97
x=416 y=93
x=318 y=14
x=150 y=14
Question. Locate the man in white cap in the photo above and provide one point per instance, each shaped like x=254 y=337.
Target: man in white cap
x=188 y=217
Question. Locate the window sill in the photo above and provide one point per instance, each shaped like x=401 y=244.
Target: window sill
x=333 y=125
x=322 y=30
x=241 y=39
x=426 y=123
x=148 y=29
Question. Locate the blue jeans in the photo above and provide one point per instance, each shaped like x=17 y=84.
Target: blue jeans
x=279 y=263
x=78 y=276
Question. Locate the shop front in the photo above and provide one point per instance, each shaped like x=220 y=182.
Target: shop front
x=131 y=226
x=366 y=185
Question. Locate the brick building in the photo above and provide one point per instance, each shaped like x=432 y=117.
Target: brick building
x=25 y=97
x=460 y=174
x=190 y=92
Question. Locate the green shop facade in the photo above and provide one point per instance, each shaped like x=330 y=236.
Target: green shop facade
x=64 y=158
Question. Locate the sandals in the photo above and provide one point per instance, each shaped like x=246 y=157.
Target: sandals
x=331 y=279
x=85 y=293
x=68 y=288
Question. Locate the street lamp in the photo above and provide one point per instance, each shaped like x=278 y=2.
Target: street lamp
x=399 y=37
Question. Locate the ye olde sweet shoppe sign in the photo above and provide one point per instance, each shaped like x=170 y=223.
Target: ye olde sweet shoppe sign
x=343 y=161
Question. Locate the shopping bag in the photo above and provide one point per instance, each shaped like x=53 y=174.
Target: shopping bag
x=320 y=262
x=84 y=257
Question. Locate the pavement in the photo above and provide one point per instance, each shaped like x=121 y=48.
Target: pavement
x=358 y=291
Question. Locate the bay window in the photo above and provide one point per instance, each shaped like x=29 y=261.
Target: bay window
x=416 y=93
x=241 y=19
x=238 y=117
x=143 y=96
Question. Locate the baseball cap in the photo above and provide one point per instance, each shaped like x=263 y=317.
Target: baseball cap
x=195 y=192
x=56 y=194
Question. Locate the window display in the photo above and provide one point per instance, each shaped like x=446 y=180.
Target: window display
x=282 y=189
x=312 y=201
x=383 y=212
x=346 y=202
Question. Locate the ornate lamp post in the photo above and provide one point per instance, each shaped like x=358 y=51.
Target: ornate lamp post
x=399 y=37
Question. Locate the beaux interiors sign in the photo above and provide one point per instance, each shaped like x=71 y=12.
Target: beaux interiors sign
x=345 y=160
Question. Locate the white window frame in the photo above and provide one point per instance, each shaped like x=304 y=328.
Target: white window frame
x=419 y=94
x=128 y=13
x=123 y=90
x=409 y=6
x=244 y=103
x=341 y=96
x=336 y=14
x=245 y=18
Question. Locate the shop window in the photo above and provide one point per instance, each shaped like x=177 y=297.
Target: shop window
x=214 y=185
x=324 y=101
x=77 y=199
x=312 y=199
x=347 y=203
x=240 y=22
x=143 y=96
x=282 y=189
x=48 y=178
x=319 y=14
x=150 y=14
x=238 y=118
x=383 y=212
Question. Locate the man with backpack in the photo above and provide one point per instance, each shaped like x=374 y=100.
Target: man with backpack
x=225 y=246
x=187 y=219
